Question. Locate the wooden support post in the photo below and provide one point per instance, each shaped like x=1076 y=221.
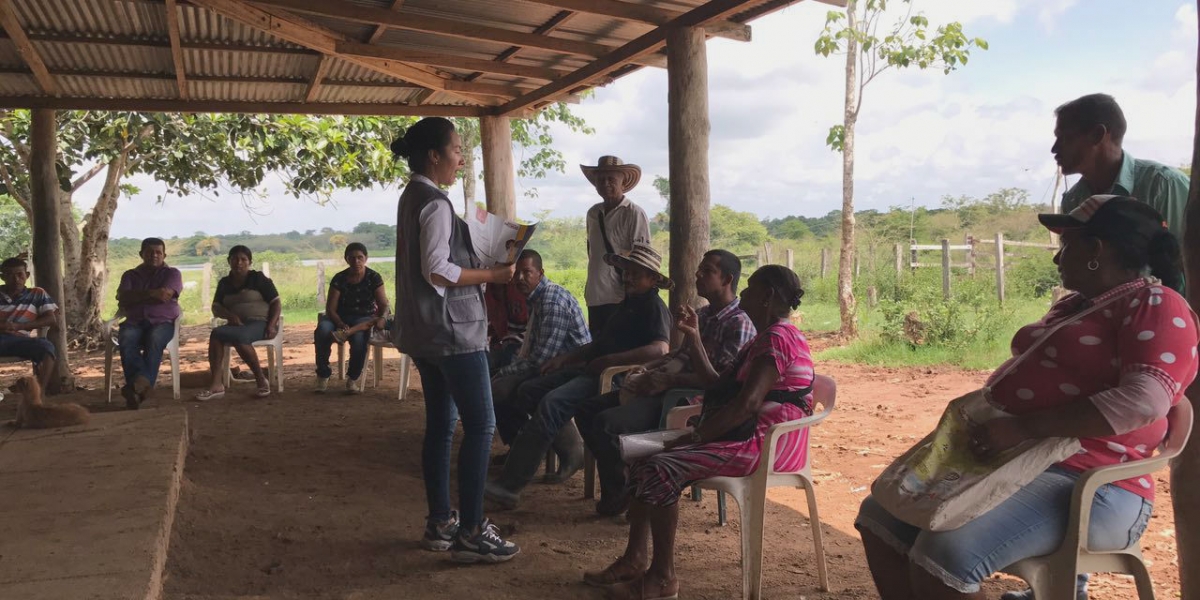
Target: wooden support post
x=321 y=285
x=206 y=288
x=945 y=268
x=912 y=255
x=791 y=260
x=47 y=245
x=499 y=178
x=767 y=252
x=824 y=262
x=687 y=138
x=971 y=255
x=1000 y=267
x=899 y=252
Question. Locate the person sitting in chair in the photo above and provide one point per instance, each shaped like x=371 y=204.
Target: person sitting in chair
x=149 y=297
x=357 y=302
x=24 y=310
x=250 y=305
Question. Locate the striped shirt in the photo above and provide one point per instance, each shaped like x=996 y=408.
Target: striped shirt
x=26 y=306
x=723 y=333
x=556 y=325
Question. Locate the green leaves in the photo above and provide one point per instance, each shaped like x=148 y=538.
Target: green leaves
x=836 y=139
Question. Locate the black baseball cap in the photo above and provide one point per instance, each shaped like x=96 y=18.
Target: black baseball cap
x=1108 y=216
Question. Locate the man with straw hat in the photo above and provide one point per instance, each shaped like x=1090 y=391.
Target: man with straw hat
x=638 y=332
x=614 y=225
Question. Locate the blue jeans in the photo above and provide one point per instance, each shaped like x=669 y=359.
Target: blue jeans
x=569 y=388
x=1031 y=522
x=142 y=346
x=29 y=348
x=323 y=340
x=456 y=385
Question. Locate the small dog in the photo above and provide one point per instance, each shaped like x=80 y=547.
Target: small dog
x=32 y=414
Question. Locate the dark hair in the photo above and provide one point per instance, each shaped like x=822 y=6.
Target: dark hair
x=430 y=133
x=240 y=249
x=1086 y=112
x=729 y=264
x=151 y=242
x=352 y=246
x=783 y=283
x=1160 y=254
x=14 y=262
x=531 y=255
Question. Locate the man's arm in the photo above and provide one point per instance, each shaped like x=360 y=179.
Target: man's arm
x=636 y=356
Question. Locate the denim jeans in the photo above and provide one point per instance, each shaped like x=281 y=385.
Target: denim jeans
x=323 y=340
x=29 y=348
x=455 y=386
x=558 y=405
x=142 y=346
x=1031 y=522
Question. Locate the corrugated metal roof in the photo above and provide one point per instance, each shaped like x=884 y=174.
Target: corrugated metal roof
x=106 y=49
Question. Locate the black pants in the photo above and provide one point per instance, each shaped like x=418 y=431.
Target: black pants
x=601 y=422
x=510 y=416
x=599 y=315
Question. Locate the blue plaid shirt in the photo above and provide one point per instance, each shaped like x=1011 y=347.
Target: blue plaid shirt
x=724 y=333
x=556 y=325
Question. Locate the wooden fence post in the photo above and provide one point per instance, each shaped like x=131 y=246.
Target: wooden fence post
x=791 y=260
x=320 y=284
x=767 y=253
x=945 y=268
x=824 y=262
x=899 y=252
x=1000 y=267
x=871 y=256
x=971 y=255
x=912 y=255
x=206 y=288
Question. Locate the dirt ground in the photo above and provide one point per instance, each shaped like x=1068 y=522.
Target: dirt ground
x=312 y=496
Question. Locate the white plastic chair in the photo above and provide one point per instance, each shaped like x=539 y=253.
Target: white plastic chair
x=376 y=354
x=274 y=348
x=750 y=491
x=112 y=344
x=1053 y=576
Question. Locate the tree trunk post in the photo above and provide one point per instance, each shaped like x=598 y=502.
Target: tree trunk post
x=898 y=250
x=791 y=260
x=1000 y=267
x=872 y=297
x=321 y=284
x=945 y=269
x=687 y=135
x=847 y=304
x=499 y=177
x=1185 y=470
x=971 y=255
x=824 y=262
x=47 y=245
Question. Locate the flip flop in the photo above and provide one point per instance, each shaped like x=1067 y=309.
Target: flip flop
x=263 y=391
x=636 y=590
x=609 y=576
x=210 y=395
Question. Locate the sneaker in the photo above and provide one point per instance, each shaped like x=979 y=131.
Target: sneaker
x=484 y=546
x=439 y=537
x=354 y=386
x=322 y=385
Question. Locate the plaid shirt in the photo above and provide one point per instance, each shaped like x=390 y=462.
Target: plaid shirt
x=556 y=325
x=724 y=333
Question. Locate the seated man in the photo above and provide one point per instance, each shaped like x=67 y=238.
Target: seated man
x=22 y=310
x=508 y=315
x=556 y=326
x=724 y=329
x=149 y=297
x=357 y=302
x=639 y=331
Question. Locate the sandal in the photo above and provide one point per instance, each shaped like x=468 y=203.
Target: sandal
x=210 y=395
x=263 y=391
x=636 y=590
x=612 y=574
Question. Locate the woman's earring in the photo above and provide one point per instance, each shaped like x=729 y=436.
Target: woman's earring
x=1093 y=265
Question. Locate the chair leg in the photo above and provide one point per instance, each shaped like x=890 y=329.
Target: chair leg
x=405 y=367
x=226 y=376
x=589 y=474
x=722 y=516
x=108 y=364
x=377 y=351
x=1141 y=576
x=818 y=543
x=277 y=359
x=174 y=354
x=696 y=493
x=341 y=361
x=753 y=509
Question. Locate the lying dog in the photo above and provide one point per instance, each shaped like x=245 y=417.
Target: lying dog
x=32 y=414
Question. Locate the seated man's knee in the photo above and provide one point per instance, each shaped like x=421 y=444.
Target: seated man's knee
x=44 y=349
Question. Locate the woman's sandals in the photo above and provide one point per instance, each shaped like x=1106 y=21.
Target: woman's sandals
x=646 y=587
x=618 y=572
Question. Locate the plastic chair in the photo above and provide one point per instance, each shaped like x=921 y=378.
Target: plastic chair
x=274 y=348
x=750 y=491
x=589 y=462
x=1053 y=575
x=376 y=347
x=112 y=343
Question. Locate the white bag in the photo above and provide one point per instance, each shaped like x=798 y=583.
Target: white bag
x=939 y=484
x=636 y=446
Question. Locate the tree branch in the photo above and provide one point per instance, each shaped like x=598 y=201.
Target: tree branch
x=87 y=176
x=12 y=191
x=22 y=149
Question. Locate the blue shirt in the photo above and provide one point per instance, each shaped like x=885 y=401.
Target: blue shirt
x=556 y=325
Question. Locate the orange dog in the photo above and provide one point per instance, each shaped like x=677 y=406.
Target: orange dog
x=32 y=414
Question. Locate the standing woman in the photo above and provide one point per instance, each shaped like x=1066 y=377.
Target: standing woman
x=442 y=324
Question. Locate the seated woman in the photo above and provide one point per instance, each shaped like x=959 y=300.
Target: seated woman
x=250 y=305
x=1107 y=378
x=357 y=302
x=768 y=383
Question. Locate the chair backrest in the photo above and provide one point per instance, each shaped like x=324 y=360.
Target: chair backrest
x=1179 y=429
x=824 y=392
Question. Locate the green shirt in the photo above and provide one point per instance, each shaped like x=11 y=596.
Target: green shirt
x=1165 y=188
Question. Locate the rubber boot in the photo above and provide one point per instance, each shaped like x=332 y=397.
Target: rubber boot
x=568 y=445
x=524 y=457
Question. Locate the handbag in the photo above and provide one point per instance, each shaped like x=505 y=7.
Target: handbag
x=939 y=484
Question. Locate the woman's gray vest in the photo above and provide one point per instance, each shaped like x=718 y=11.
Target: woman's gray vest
x=428 y=325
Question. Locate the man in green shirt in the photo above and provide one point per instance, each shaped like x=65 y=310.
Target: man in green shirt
x=1087 y=141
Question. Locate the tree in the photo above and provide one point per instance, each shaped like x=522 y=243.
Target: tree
x=338 y=240
x=663 y=185
x=192 y=154
x=209 y=246
x=731 y=229
x=908 y=43
x=14 y=229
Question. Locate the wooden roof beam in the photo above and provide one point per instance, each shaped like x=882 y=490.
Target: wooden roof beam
x=448 y=60
x=381 y=29
x=644 y=13
x=318 y=76
x=652 y=41
x=11 y=25
x=222 y=106
x=176 y=48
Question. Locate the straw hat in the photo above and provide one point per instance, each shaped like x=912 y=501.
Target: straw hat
x=630 y=174
x=645 y=256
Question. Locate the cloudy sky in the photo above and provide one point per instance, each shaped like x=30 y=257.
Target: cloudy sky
x=921 y=135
